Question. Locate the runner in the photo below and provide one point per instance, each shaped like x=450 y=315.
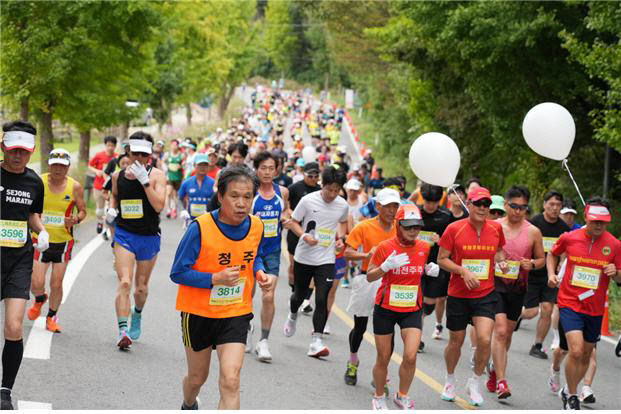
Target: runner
x=215 y=266
x=96 y=165
x=62 y=193
x=139 y=191
x=196 y=191
x=353 y=189
x=174 y=177
x=399 y=262
x=524 y=251
x=361 y=244
x=469 y=249
x=540 y=298
x=20 y=209
x=593 y=258
x=213 y=170
x=271 y=206
x=324 y=217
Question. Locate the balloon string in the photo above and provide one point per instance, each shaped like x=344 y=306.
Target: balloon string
x=458 y=197
x=574 y=181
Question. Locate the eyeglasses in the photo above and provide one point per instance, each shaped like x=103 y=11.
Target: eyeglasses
x=312 y=176
x=410 y=228
x=140 y=154
x=60 y=156
x=518 y=207
x=499 y=213
x=482 y=203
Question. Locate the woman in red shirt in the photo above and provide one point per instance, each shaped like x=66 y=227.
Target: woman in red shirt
x=400 y=262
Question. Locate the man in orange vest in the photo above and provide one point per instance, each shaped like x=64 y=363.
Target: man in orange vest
x=215 y=266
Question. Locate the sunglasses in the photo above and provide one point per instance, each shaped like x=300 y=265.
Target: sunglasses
x=140 y=154
x=312 y=176
x=497 y=213
x=410 y=228
x=482 y=203
x=518 y=207
x=60 y=156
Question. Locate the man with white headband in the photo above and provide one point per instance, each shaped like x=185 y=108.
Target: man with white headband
x=21 y=193
x=138 y=195
x=62 y=195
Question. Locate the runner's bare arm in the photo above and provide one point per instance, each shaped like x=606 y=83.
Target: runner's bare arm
x=374 y=272
x=78 y=195
x=296 y=228
x=353 y=254
x=285 y=196
x=35 y=223
x=539 y=256
x=156 y=191
x=551 y=264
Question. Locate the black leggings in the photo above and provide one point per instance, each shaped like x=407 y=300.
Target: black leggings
x=357 y=334
x=324 y=277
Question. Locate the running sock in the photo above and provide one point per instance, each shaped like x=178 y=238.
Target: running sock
x=138 y=311
x=122 y=324
x=11 y=360
x=293 y=316
x=402 y=394
x=51 y=313
x=40 y=298
x=450 y=379
x=309 y=294
x=265 y=333
x=190 y=407
x=353 y=358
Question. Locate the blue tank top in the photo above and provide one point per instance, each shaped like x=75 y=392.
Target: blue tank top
x=270 y=212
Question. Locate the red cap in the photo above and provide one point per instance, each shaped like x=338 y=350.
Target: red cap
x=597 y=213
x=479 y=193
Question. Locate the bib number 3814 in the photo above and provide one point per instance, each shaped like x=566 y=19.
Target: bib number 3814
x=227 y=295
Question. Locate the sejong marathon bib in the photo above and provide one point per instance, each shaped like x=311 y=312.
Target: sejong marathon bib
x=13 y=233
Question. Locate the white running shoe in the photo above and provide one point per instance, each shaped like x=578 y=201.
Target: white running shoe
x=587 y=396
x=379 y=403
x=404 y=403
x=290 y=326
x=249 y=339
x=317 y=349
x=437 y=333
x=448 y=394
x=262 y=351
x=326 y=329
x=474 y=395
x=554 y=380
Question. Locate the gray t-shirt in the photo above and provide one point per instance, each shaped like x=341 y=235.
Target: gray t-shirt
x=320 y=219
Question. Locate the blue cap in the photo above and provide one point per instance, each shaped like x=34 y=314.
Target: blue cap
x=199 y=158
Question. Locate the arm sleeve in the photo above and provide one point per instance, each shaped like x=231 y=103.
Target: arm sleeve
x=258 y=261
x=560 y=245
x=186 y=255
x=182 y=189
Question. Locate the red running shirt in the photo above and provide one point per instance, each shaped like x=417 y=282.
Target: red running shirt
x=401 y=289
x=99 y=161
x=475 y=252
x=586 y=259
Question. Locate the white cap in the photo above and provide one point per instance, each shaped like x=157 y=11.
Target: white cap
x=18 y=139
x=566 y=210
x=140 y=145
x=341 y=149
x=353 y=184
x=388 y=195
x=59 y=156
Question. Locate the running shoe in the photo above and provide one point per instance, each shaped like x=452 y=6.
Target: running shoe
x=345 y=283
x=448 y=394
x=134 y=330
x=99 y=228
x=386 y=388
x=307 y=309
x=618 y=348
x=290 y=326
x=537 y=352
x=51 y=324
x=105 y=236
x=403 y=402
x=124 y=341
x=563 y=396
x=326 y=329
x=587 y=396
x=473 y=393
x=421 y=347
x=249 y=339
x=503 y=390
x=491 y=380
x=35 y=309
x=317 y=349
x=351 y=374
x=379 y=403
x=193 y=407
x=437 y=333
x=262 y=351
x=573 y=403
x=554 y=380
x=5 y=399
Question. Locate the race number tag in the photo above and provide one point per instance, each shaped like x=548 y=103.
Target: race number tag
x=585 y=277
x=227 y=295
x=173 y=167
x=548 y=242
x=512 y=272
x=426 y=236
x=197 y=209
x=325 y=236
x=480 y=267
x=131 y=209
x=52 y=219
x=403 y=296
x=13 y=233
x=270 y=227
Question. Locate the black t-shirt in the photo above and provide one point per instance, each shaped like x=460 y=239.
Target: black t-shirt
x=435 y=223
x=22 y=194
x=284 y=180
x=552 y=230
x=299 y=190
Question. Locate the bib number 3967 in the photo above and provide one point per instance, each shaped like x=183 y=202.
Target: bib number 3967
x=480 y=267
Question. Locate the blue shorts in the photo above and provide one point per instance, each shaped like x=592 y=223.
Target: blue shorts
x=339 y=268
x=143 y=247
x=271 y=261
x=591 y=326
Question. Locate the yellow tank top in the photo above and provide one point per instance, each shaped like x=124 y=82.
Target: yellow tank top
x=55 y=207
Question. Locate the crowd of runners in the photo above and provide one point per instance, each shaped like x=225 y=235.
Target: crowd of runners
x=471 y=263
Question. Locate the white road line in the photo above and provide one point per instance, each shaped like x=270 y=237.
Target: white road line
x=609 y=340
x=75 y=265
x=33 y=405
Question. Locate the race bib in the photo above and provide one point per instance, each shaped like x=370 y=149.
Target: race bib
x=270 y=227
x=480 y=267
x=174 y=167
x=324 y=236
x=548 y=242
x=13 y=233
x=426 y=236
x=197 y=209
x=585 y=277
x=512 y=272
x=131 y=209
x=52 y=219
x=227 y=295
x=403 y=296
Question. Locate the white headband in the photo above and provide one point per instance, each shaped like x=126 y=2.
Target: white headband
x=140 y=145
x=22 y=136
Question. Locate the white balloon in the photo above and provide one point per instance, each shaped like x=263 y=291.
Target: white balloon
x=435 y=159
x=309 y=154
x=549 y=130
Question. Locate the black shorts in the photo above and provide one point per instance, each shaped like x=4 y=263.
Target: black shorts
x=436 y=287
x=384 y=320
x=460 y=311
x=56 y=253
x=510 y=303
x=538 y=291
x=17 y=273
x=292 y=242
x=200 y=332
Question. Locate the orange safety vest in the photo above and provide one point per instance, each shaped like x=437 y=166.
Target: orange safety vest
x=218 y=252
